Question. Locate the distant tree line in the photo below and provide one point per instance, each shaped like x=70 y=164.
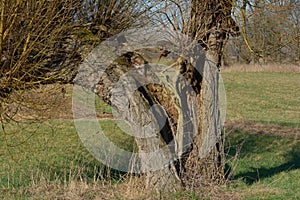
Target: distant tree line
x=270 y=32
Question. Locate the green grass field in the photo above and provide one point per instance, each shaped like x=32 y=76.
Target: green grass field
x=44 y=160
x=268 y=166
x=263 y=97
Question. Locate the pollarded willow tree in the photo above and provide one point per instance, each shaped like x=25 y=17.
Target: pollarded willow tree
x=173 y=111
x=35 y=49
x=43 y=42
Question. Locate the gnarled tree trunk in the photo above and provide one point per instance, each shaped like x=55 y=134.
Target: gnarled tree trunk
x=177 y=131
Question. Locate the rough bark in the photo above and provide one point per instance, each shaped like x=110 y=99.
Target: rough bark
x=186 y=149
x=210 y=25
x=133 y=100
x=205 y=162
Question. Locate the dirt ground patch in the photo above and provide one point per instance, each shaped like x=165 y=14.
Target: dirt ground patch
x=47 y=102
x=260 y=128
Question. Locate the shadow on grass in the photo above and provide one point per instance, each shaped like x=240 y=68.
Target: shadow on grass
x=249 y=146
x=258 y=174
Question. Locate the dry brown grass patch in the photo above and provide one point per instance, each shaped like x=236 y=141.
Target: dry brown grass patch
x=261 y=68
x=260 y=128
